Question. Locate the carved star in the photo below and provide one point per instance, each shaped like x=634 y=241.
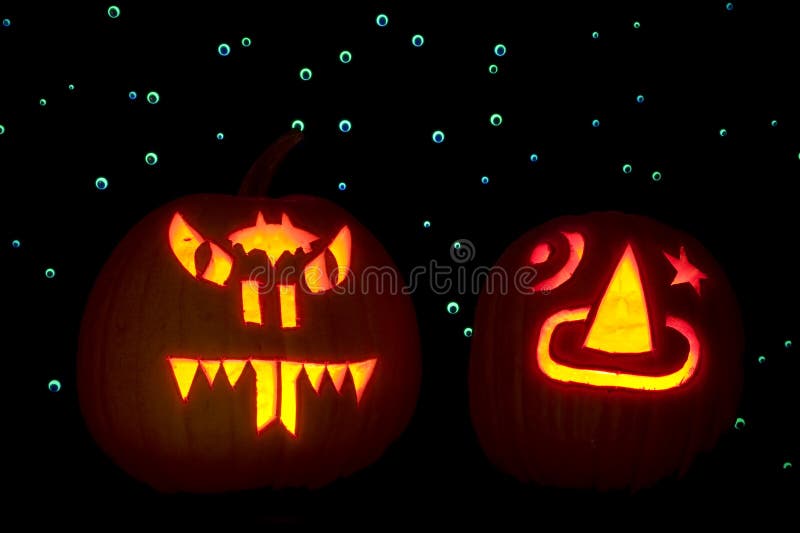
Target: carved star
x=686 y=272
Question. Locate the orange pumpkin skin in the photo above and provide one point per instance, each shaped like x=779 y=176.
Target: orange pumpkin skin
x=572 y=428
x=145 y=307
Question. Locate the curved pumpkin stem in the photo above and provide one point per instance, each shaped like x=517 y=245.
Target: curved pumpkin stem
x=257 y=180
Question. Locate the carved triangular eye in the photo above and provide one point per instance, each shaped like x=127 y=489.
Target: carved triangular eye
x=184 y=241
x=316 y=271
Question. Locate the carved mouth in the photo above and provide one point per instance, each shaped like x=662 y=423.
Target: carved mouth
x=269 y=374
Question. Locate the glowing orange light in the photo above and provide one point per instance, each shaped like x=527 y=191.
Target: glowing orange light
x=540 y=253
x=340 y=248
x=274 y=239
x=210 y=369
x=361 y=372
x=266 y=391
x=686 y=272
x=621 y=324
x=576 y=246
x=602 y=378
x=251 y=306
x=220 y=266
x=315 y=373
x=184 y=241
x=233 y=369
x=337 y=373
x=184 y=371
x=316 y=275
x=289 y=373
x=288 y=306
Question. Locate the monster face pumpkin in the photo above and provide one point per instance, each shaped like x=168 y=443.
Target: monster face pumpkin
x=233 y=342
x=616 y=366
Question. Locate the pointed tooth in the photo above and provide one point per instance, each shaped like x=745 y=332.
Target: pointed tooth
x=315 y=372
x=337 y=373
x=266 y=391
x=184 y=371
x=233 y=369
x=210 y=369
x=361 y=374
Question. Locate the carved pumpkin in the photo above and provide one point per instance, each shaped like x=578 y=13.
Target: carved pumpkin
x=616 y=366
x=233 y=342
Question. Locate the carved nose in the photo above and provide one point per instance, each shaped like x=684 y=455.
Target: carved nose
x=251 y=303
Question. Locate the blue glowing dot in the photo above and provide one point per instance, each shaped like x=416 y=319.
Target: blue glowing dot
x=457 y=245
x=101 y=183
x=496 y=119
x=71 y=87
x=342 y=186
x=223 y=49
x=15 y=243
x=595 y=35
x=54 y=385
x=298 y=125
x=417 y=40
x=2 y=129
x=438 y=136
x=132 y=95
x=113 y=12
x=6 y=23
x=426 y=224
x=595 y=123
x=468 y=332
x=492 y=69
x=345 y=126
x=762 y=359
x=153 y=97
x=740 y=423
x=453 y=308
x=151 y=158
x=382 y=20
x=246 y=42
x=656 y=176
x=345 y=56
x=723 y=132
x=534 y=158
x=42 y=102
x=220 y=136
x=636 y=25
x=640 y=99
x=485 y=180
x=729 y=6
x=774 y=123
x=500 y=50
x=49 y=273
x=305 y=74
x=627 y=169
x=787 y=344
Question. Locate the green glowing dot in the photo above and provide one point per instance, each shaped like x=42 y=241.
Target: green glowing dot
x=456 y=245
x=453 y=308
x=246 y=42
x=2 y=129
x=101 y=183
x=151 y=158
x=787 y=465
x=787 y=344
x=468 y=332
x=305 y=74
x=774 y=123
x=113 y=12
x=761 y=359
x=426 y=224
x=496 y=119
x=626 y=168
x=54 y=385
x=298 y=125
x=485 y=180
x=499 y=50
x=153 y=97
x=595 y=35
x=71 y=87
x=723 y=132
x=534 y=158
x=345 y=126
x=438 y=136
x=740 y=423
x=220 y=136
x=342 y=186
x=656 y=176
x=492 y=69
x=418 y=40
x=636 y=25
x=223 y=49
x=639 y=98
x=15 y=243
x=6 y=23
x=49 y=273
x=132 y=95
x=42 y=102
x=595 y=123
x=345 y=56
x=382 y=20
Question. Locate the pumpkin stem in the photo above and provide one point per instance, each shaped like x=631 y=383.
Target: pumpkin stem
x=257 y=180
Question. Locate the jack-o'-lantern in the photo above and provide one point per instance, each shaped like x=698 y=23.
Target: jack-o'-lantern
x=233 y=342
x=616 y=365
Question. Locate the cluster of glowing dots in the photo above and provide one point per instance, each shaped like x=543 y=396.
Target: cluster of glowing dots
x=438 y=136
x=298 y=125
x=382 y=20
x=305 y=74
x=417 y=40
x=345 y=56
x=453 y=308
x=50 y=273
x=113 y=12
x=496 y=119
x=342 y=186
x=468 y=332
x=54 y=385
x=345 y=126
x=153 y=97
x=151 y=158
x=101 y=183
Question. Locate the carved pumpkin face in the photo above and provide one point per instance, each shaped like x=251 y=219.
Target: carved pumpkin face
x=235 y=342
x=618 y=364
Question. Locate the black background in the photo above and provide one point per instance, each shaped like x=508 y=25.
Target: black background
x=700 y=67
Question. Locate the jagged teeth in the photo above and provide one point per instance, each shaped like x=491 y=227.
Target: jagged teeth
x=266 y=372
